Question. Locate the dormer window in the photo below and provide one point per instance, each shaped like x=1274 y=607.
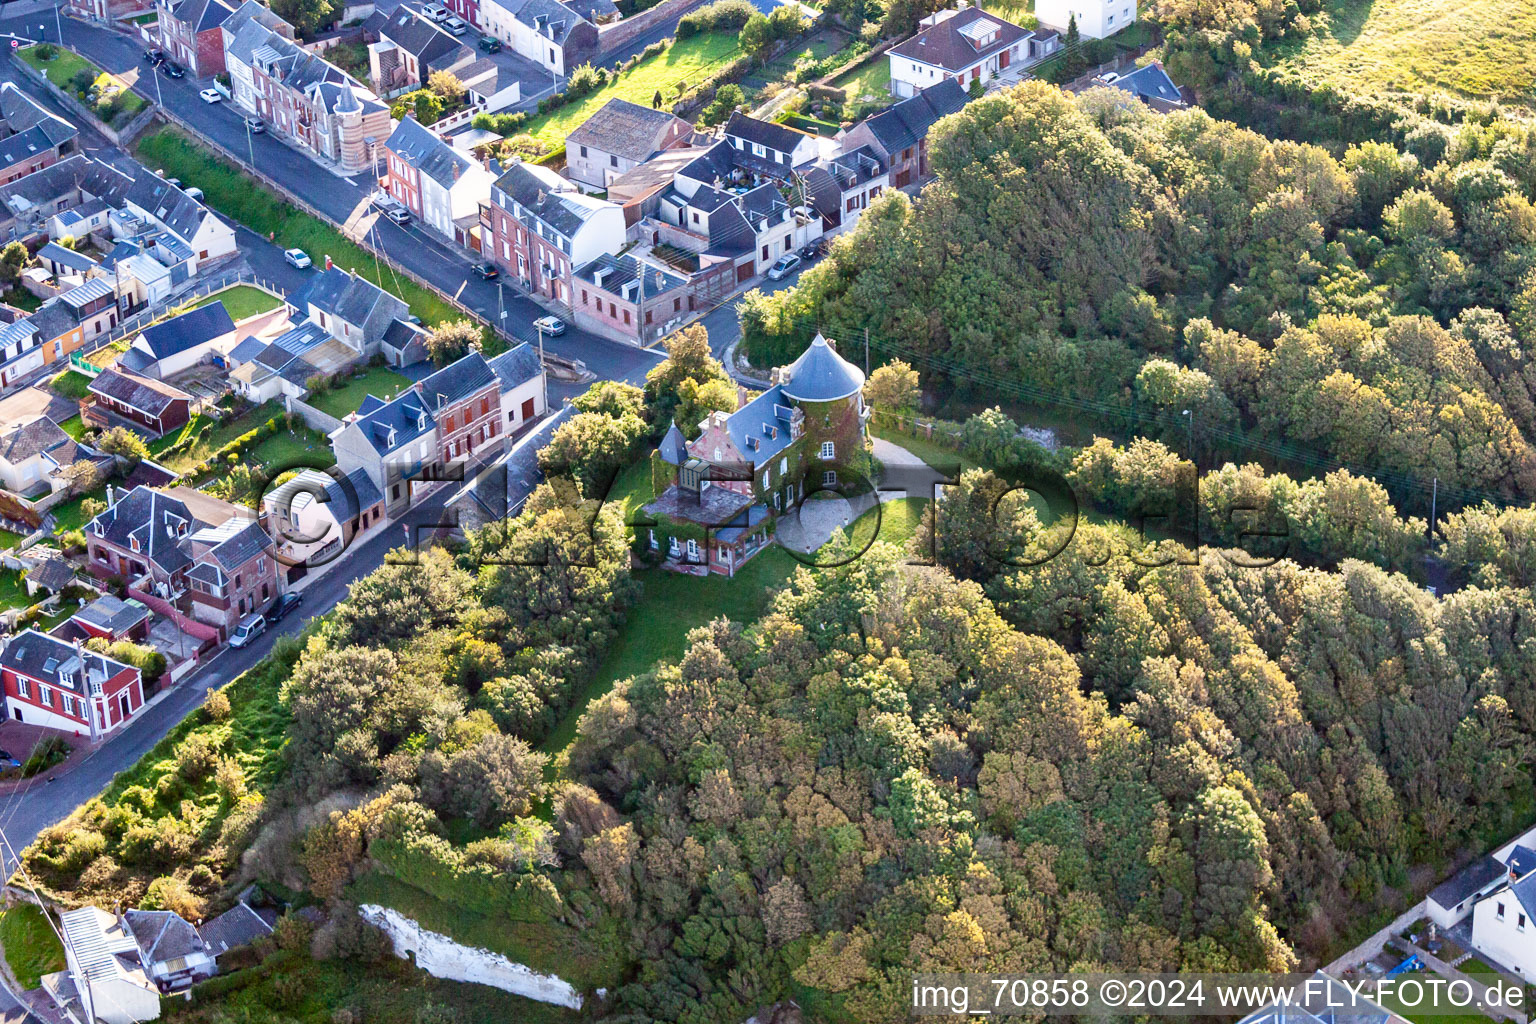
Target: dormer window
x=133 y=542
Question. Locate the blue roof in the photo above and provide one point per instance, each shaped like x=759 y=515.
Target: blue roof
x=405 y=415
x=517 y=365
x=301 y=337
x=188 y=330
x=743 y=522
x=821 y=375
x=760 y=429
x=1149 y=82
x=1521 y=860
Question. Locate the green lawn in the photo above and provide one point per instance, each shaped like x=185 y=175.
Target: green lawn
x=13 y=589
x=210 y=437
x=379 y=381
x=931 y=452
x=819 y=45
x=1478 y=49
x=1010 y=10
x=243 y=300
x=292 y=447
x=71 y=384
x=9 y=539
x=74 y=426
x=230 y=192
x=688 y=60
x=70 y=515
x=868 y=84
x=21 y=299
x=66 y=64
x=31 y=948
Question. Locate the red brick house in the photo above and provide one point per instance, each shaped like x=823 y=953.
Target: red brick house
x=464 y=398
x=30 y=137
x=61 y=685
x=190 y=36
x=142 y=404
x=540 y=228
x=209 y=559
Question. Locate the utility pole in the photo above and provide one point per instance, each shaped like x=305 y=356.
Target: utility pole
x=1190 y=420
x=58 y=24
x=866 y=351
x=1434 y=497
x=543 y=374
x=158 y=98
x=249 y=145
x=640 y=303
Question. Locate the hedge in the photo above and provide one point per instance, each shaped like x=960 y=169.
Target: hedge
x=431 y=864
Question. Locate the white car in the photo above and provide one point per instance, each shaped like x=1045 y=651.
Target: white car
x=550 y=325
x=455 y=26
x=437 y=12
x=298 y=258
x=212 y=96
x=194 y=192
x=398 y=214
x=784 y=267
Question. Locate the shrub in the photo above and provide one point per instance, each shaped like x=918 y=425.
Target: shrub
x=216 y=705
x=196 y=757
x=720 y=16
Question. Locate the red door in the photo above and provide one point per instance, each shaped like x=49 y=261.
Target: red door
x=1003 y=58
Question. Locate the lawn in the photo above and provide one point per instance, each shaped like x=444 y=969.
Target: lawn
x=819 y=45
x=230 y=192
x=243 y=300
x=71 y=384
x=13 y=590
x=21 y=299
x=1478 y=49
x=66 y=64
x=202 y=437
x=70 y=515
x=74 y=426
x=869 y=83
x=379 y=381
x=1015 y=11
x=292 y=447
x=31 y=948
x=687 y=61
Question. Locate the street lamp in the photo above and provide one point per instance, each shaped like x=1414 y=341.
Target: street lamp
x=250 y=146
x=1189 y=420
x=543 y=376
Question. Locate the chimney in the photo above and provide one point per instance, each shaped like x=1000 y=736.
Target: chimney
x=328 y=263
x=741 y=396
x=111 y=495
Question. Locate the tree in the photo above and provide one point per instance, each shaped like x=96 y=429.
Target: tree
x=447 y=85
x=495 y=780
x=893 y=388
x=688 y=358
x=451 y=340
x=976 y=89
x=1073 y=36
x=13 y=259
x=755 y=35
x=728 y=98
x=306 y=16
x=124 y=442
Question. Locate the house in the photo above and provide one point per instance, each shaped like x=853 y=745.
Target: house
x=105 y=978
x=208 y=558
x=617 y=138
x=410 y=46
x=174 y=955
x=1504 y=922
x=748 y=466
x=112 y=618
x=557 y=36
x=898 y=136
x=1095 y=18
x=843 y=186
x=107 y=11
x=261 y=370
x=30 y=137
x=392 y=442
x=61 y=685
x=440 y=185
x=540 y=228
x=180 y=343
x=21 y=351
x=190 y=33
x=349 y=307
x=92 y=305
x=522 y=384
x=1150 y=84
x=238 y=926
x=121 y=398
x=314 y=516
x=636 y=190
x=404 y=343
x=51 y=576
x=66 y=263
x=967 y=45
x=465 y=400
x=622 y=297
x=301 y=95
x=769 y=148
x=32 y=455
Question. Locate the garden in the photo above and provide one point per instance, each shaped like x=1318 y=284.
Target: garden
x=31 y=947
x=108 y=95
x=241 y=301
x=379 y=381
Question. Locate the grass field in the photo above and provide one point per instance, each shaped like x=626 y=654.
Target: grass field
x=13 y=590
x=71 y=515
x=242 y=301
x=71 y=384
x=869 y=84
x=689 y=60
x=230 y=192
x=31 y=948
x=376 y=380
x=65 y=65
x=210 y=436
x=1477 y=49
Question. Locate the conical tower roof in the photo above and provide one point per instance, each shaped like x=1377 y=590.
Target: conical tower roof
x=821 y=375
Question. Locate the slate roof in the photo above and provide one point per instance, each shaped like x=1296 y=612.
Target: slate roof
x=353 y=299
x=163 y=935
x=47 y=186
x=622 y=128
x=517 y=365
x=714 y=506
x=202 y=15
x=743 y=523
x=946 y=46
x=1467 y=882
x=400 y=334
x=1521 y=860
x=419 y=35
x=760 y=429
x=406 y=415
x=238 y=926
x=821 y=375
x=239 y=546
x=764 y=133
x=188 y=330
x=53 y=661
x=430 y=155
x=1150 y=82
x=1524 y=890
x=53 y=574
x=30 y=129
x=248 y=349
x=146 y=394
x=56 y=253
x=346 y=497
x=674 y=447
x=54 y=318
x=907 y=123
x=551 y=19
x=35 y=437
x=545 y=195
x=457 y=381
x=112 y=614
x=620 y=276
x=146 y=514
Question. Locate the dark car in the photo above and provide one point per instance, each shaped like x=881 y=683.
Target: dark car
x=486 y=272
x=7 y=759
x=283 y=605
x=814 y=249
x=173 y=69
x=154 y=56
x=490 y=44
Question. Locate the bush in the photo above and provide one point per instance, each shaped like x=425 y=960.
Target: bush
x=216 y=705
x=720 y=16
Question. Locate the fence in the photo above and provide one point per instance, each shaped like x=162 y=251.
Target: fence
x=618 y=33
x=120 y=137
x=150 y=314
x=315 y=419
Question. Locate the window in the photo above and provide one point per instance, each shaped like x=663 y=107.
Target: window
x=626 y=316
x=1111 y=19
x=46 y=696
x=647 y=316
x=584 y=301
x=693 y=548
x=677 y=304
x=828 y=450
x=765 y=252
x=1499 y=915
x=784 y=465
x=829 y=479
x=583 y=151
x=68 y=704
x=613 y=161
x=22 y=687
x=1520 y=922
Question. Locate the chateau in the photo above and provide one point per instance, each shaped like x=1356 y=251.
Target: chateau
x=718 y=495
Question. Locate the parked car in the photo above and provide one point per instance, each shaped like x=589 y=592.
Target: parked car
x=550 y=325
x=437 y=12
x=784 y=267
x=250 y=628
x=7 y=760
x=486 y=271
x=298 y=258
x=456 y=26
x=490 y=44
x=173 y=69
x=814 y=249
x=154 y=55
x=255 y=125
x=283 y=605
x=398 y=214
x=211 y=96
x=194 y=192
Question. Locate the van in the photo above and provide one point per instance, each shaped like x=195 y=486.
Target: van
x=250 y=628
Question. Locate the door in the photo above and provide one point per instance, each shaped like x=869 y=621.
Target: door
x=1003 y=58
x=123 y=705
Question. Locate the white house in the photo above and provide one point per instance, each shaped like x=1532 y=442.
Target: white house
x=1504 y=924
x=521 y=379
x=1095 y=18
x=439 y=184
x=33 y=453
x=105 y=979
x=966 y=45
x=171 y=346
